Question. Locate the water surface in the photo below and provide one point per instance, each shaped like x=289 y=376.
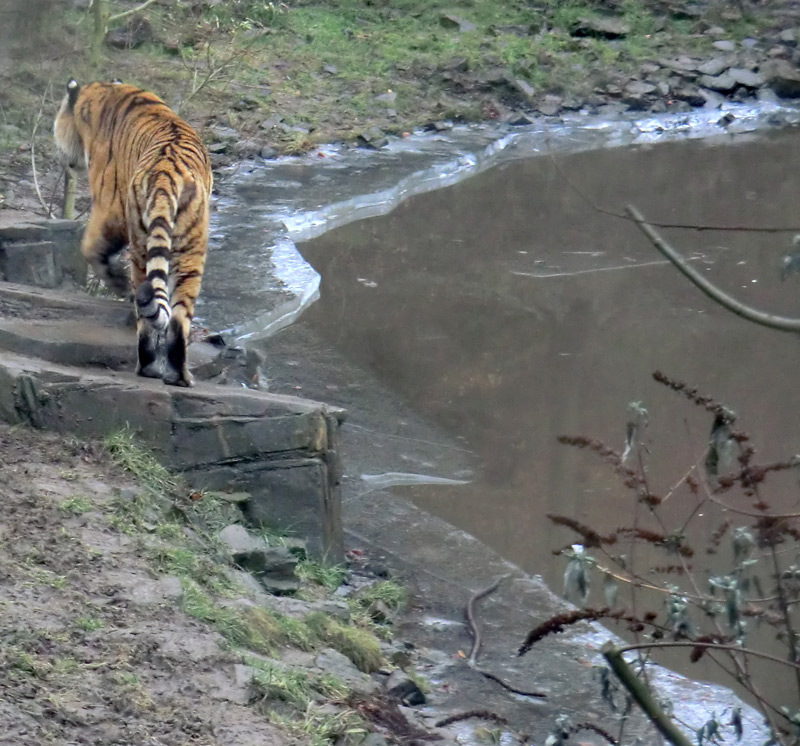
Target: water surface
x=471 y=326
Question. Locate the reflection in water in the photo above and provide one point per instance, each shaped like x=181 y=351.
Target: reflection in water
x=507 y=311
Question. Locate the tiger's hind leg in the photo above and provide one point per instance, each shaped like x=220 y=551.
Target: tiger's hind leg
x=176 y=372
x=103 y=239
x=187 y=270
x=148 y=363
x=148 y=360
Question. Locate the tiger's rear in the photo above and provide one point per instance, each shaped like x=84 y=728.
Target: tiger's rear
x=150 y=182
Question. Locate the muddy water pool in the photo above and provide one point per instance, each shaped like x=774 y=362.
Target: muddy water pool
x=471 y=326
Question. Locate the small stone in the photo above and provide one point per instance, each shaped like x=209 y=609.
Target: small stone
x=331 y=69
x=374 y=139
x=387 y=98
x=521 y=86
x=137 y=31
x=239 y=540
x=549 y=106
x=788 y=36
x=520 y=120
x=747 y=78
x=724 y=83
x=714 y=66
x=690 y=95
x=604 y=28
x=783 y=78
x=380 y=612
x=448 y=20
x=726 y=119
x=725 y=45
x=402 y=687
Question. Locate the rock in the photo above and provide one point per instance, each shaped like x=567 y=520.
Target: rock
x=788 y=36
x=747 y=78
x=403 y=688
x=373 y=138
x=726 y=120
x=514 y=30
x=338 y=609
x=690 y=95
x=640 y=88
x=387 y=98
x=134 y=33
x=246 y=103
x=600 y=27
x=239 y=541
x=550 y=105
x=521 y=86
x=233 y=366
x=724 y=83
x=687 y=12
x=714 y=66
x=783 y=78
x=274 y=567
x=713 y=99
x=438 y=126
x=450 y=21
x=375 y=739
x=330 y=69
x=520 y=120
x=380 y=612
x=340 y=666
x=725 y=45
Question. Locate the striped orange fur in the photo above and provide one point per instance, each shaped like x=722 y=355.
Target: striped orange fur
x=150 y=181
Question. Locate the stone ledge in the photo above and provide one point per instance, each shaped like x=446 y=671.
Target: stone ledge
x=280 y=449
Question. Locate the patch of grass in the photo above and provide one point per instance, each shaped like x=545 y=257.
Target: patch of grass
x=390 y=592
x=292 y=685
x=89 y=624
x=253 y=628
x=132 y=456
x=359 y=645
x=76 y=505
x=43 y=576
x=329 y=578
x=319 y=727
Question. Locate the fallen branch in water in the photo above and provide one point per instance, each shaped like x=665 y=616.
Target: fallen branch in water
x=781 y=323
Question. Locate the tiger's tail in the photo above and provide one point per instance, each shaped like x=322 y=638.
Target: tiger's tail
x=153 y=294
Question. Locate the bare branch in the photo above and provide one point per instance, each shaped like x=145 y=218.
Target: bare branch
x=781 y=323
x=129 y=12
x=639 y=691
x=47 y=210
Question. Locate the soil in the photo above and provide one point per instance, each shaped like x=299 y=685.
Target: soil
x=93 y=649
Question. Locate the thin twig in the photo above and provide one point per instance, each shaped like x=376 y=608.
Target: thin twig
x=33 y=156
x=129 y=12
x=710 y=646
x=660 y=224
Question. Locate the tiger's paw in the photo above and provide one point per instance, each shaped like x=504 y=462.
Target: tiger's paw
x=153 y=370
x=179 y=378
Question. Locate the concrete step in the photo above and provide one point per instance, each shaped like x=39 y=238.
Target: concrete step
x=27 y=302
x=68 y=342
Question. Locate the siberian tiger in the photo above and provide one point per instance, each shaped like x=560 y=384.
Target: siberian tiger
x=150 y=182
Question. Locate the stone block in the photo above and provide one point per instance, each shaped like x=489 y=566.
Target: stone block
x=43 y=253
x=299 y=496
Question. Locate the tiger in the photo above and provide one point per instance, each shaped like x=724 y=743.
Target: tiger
x=150 y=182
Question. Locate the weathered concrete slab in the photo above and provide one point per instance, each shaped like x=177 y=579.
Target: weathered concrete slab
x=280 y=449
x=26 y=302
x=44 y=253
